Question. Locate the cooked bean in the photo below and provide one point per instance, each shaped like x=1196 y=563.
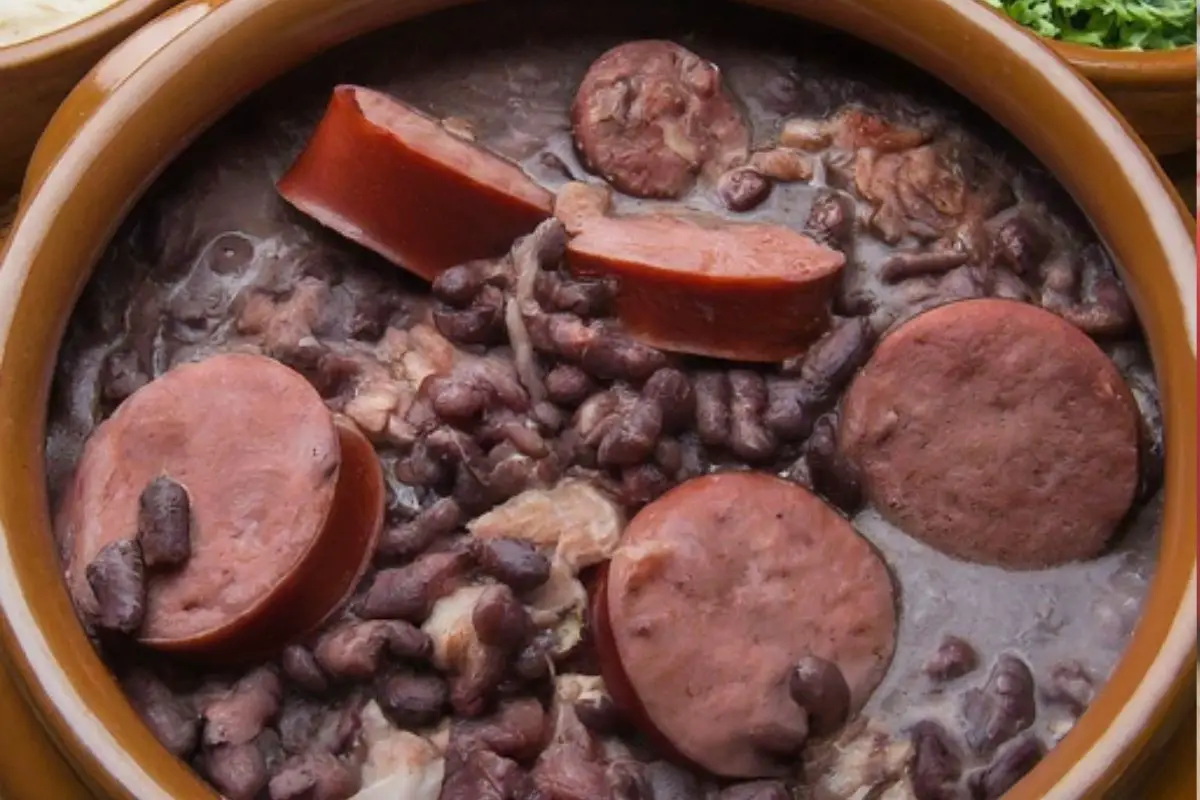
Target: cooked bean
x=788 y=414
x=903 y=266
x=743 y=189
x=632 y=438
x=409 y=592
x=643 y=484
x=833 y=476
x=472 y=689
x=1002 y=708
x=481 y=323
x=563 y=335
x=1007 y=770
x=830 y=220
x=832 y=361
x=298 y=723
x=1071 y=685
x=339 y=727
x=271 y=748
x=413 y=701
x=412 y=538
x=780 y=742
x=669 y=782
x=500 y=620
x=483 y=776
x=668 y=455
x=671 y=391
x=935 y=766
x=748 y=439
x=569 y=385
x=512 y=561
x=954 y=658
x=354 y=650
x=301 y=667
x=456 y=401
x=164 y=524
x=614 y=356
x=599 y=714
x=458 y=286
x=533 y=663
x=820 y=688
x=423 y=468
x=712 y=408
x=238 y=771
x=171 y=719
x=117 y=578
x=240 y=716
x=583 y=298
x=315 y=776
x=1021 y=245
x=757 y=790
x=121 y=376
x=516 y=729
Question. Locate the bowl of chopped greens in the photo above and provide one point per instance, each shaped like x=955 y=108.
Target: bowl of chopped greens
x=1140 y=53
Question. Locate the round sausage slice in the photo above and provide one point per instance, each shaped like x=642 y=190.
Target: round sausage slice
x=285 y=504
x=391 y=179
x=996 y=432
x=650 y=115
x=719 y=589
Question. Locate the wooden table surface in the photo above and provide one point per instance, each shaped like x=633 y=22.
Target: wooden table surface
x=1168 y=775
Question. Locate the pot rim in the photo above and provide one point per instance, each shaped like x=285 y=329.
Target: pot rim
x=40 y=653
x=1131 y=68
x=57 y=41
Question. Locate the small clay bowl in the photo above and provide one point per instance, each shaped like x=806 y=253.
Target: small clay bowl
x=36 y=74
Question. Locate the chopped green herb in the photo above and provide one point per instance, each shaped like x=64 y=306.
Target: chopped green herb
x=1112 y=24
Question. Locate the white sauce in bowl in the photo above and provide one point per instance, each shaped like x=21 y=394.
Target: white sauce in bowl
x=22 y=20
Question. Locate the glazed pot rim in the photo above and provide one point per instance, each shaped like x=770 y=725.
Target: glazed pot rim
x=57 y=41
x=1135 y=68
x=72 y=703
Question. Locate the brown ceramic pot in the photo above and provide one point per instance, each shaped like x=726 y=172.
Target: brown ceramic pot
x=36 y=75
x=144 y=103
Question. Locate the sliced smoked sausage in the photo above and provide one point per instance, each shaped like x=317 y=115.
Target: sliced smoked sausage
x=272 y=480
x=995 y=432
x=386 y=176
x=719 y=592
x=705 y=286
x=650 y=115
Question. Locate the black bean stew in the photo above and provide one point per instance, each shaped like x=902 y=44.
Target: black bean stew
x=521 y=424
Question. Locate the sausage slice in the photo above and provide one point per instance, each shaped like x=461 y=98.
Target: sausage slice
x=705 y=286
x=719 y=590
x=270 y=477
x=995 y=432
x=650 y=115
x=384 y=175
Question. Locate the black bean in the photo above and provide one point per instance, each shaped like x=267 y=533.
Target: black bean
x=338 y=728
x=614 y=356
x=171 y=719
x=599 y=714
x=954 y=658
x=533 y=663
x=668 y=455
x=500 y=620
x=413 y=701
x=423 y=467
x=472 y=688
x=516 y=729
x=632 y=438
x=121 y=376
x=298 y=723
x=820 y=688
x=238 y=771
x=241 y=715
x=779 y=741
x=1002 y=708
x=512 y=561
x=756 y=790
x=586 y=299
x=830 y=221
x=743 y=189
x=315 y=776
x=748 y=438
x=354 y=650
x=301 y=666
x=483 y=776
x=459 y=285
x=412 y=538
x=1013 y=764
x=118 y=580
x=164 y=524
x=335 y=374
x=563 y=335
x=712 y=408
x=409 y=592
x=1071 y=685
x=1021 y=245
x=935 y=765
x=903 y=266
x=643 y=484
x=671 y=391
x=455 y=400
x=669 y=782
x=832 y=361
x=481 y=323
x=788 y=413
x=833 y=476
x=569 y=385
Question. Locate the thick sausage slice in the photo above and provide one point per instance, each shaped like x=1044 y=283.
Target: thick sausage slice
x=650 y=115
x=705 y=286
x=397 y=182
x=285 y=504
x=718 y=590
x=995 y=432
